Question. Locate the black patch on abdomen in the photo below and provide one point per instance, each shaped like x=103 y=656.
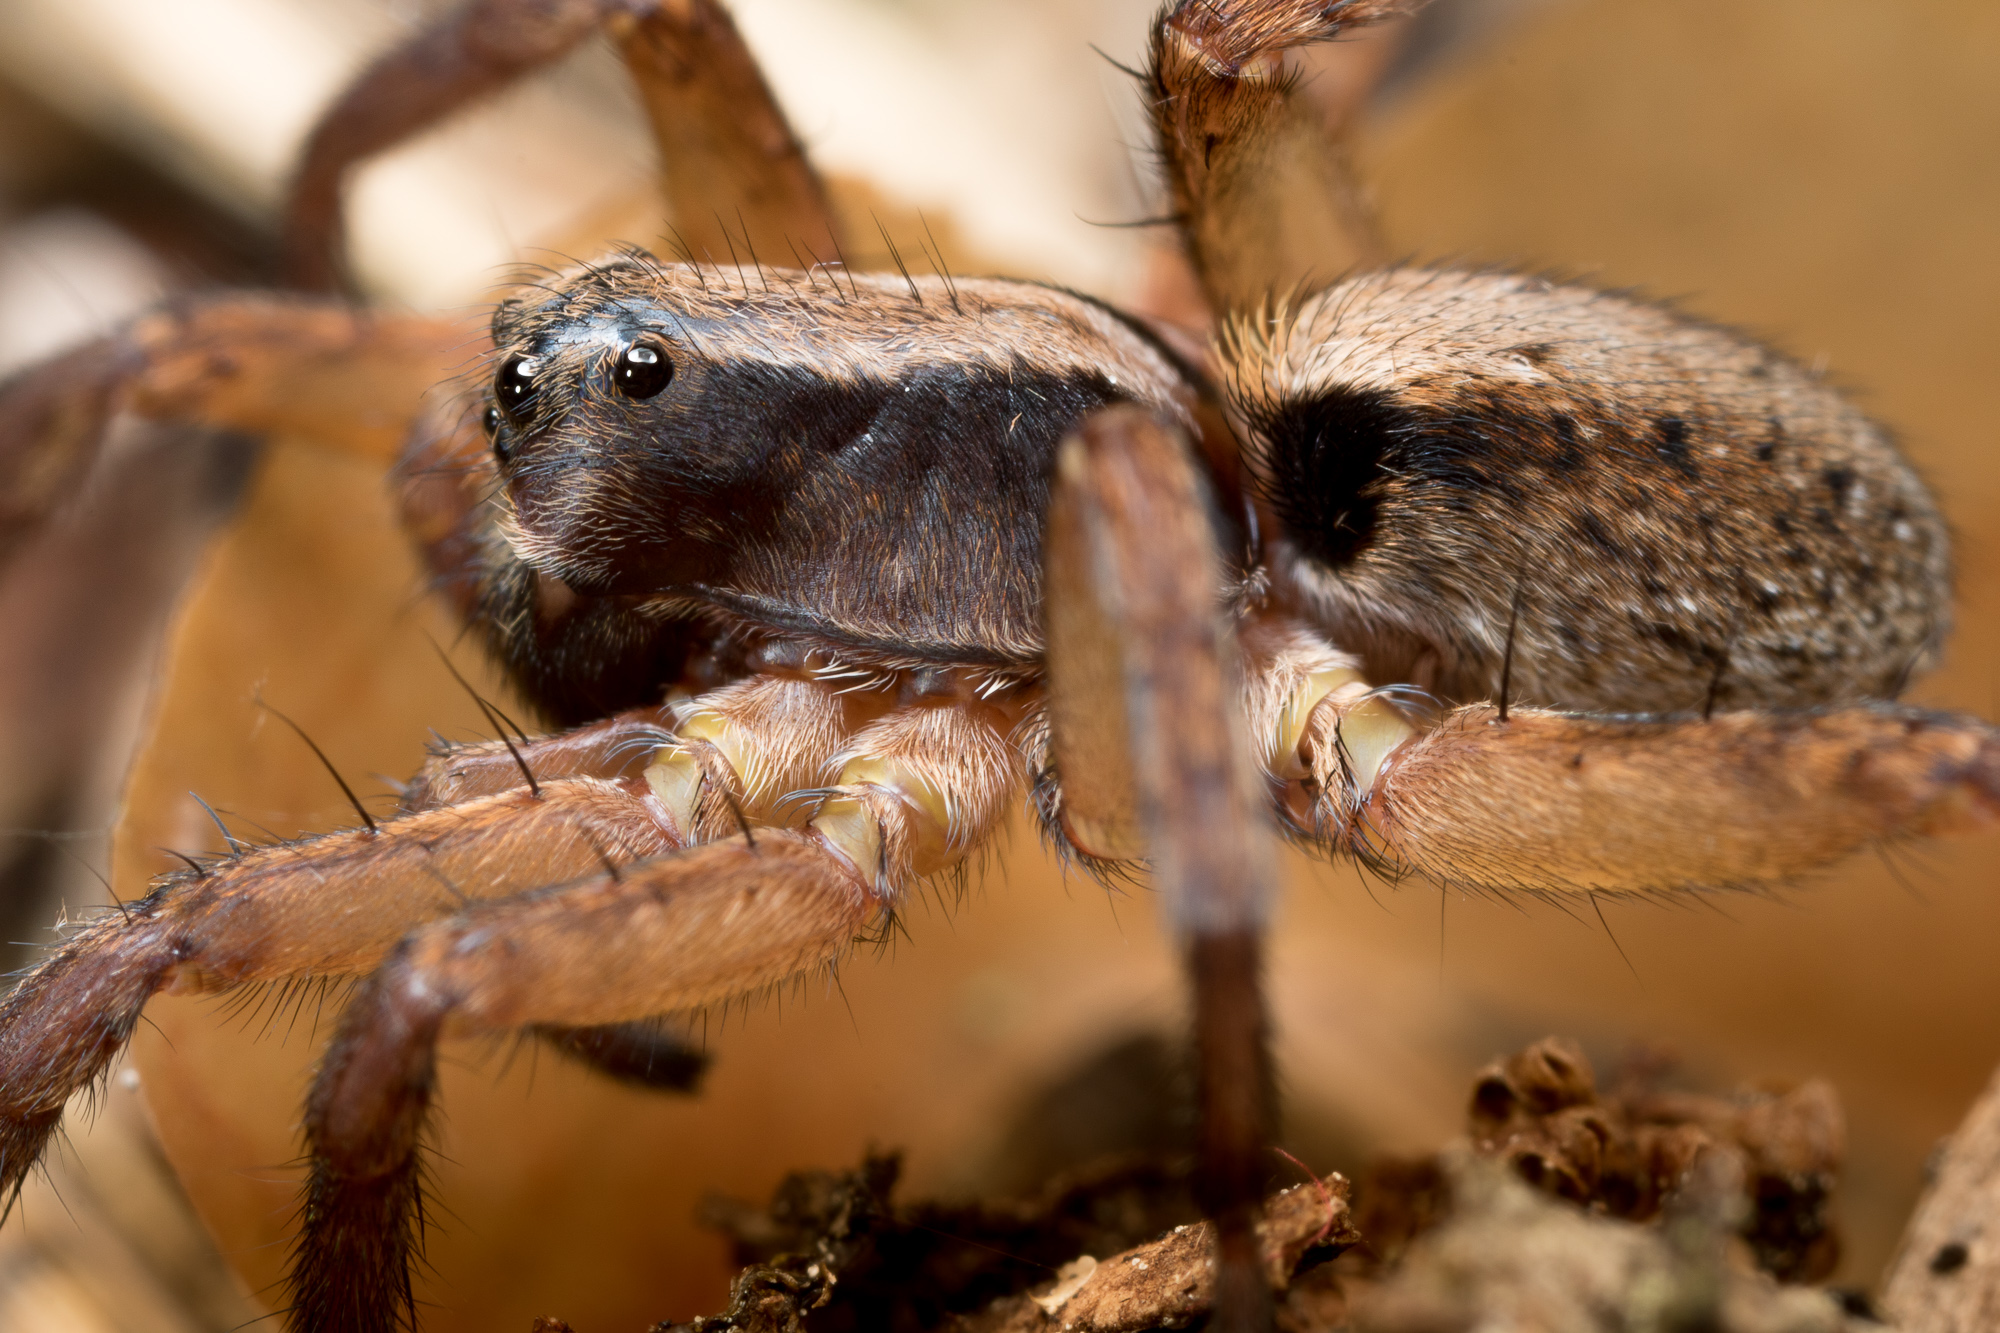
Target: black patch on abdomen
x=1322 y=469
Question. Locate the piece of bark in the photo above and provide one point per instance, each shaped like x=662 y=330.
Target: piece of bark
x=1945 y=1277
x=1169 y=1283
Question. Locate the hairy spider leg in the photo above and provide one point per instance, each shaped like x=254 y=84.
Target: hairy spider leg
x=1262 y=184
x=1541 y=801
x=327 y=907
x=1138 y=654
x=617 y=747
x=914 y=791
x=1547 y=802
x=737 y=170
x=686 y=930
x=347 y=381
x=474 y=50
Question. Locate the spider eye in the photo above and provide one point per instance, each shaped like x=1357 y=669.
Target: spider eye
x=489 y=420
x=642 y=371
x=514 y=386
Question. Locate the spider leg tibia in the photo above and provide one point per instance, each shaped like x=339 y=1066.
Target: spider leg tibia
x=332 y=906
x=685 y=930
x=1137 y=651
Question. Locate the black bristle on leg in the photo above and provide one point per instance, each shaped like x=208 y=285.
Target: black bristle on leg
x=365 y=1123
x=1237 y=1099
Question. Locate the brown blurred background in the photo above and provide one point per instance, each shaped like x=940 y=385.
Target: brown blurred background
x=1823 y=172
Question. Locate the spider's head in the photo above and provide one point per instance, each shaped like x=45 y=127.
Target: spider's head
x=609 y=426
x=869 y=460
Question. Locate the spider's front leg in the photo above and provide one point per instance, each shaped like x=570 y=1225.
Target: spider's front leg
x=1153 y=761
x=693 y=928
x=921 y=775
x=333 y=906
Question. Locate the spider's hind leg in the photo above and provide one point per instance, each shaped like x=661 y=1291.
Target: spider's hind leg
x=1260 y=180
x=1550 y=802
x=1140 y=698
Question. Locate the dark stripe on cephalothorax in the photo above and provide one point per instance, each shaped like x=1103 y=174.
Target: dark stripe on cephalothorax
x=906 y=512
x=902 y=511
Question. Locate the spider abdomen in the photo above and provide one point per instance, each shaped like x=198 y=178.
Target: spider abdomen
x=1658 y=513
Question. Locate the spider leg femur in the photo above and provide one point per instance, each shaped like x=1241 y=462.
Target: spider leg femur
x=1536 y=800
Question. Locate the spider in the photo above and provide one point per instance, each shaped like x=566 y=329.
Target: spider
x=822 y=572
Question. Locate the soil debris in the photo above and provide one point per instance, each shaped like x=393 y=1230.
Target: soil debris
x=1624 y=1154
x=834 y=1253
x=1509 y=1259
x=1563 y=1210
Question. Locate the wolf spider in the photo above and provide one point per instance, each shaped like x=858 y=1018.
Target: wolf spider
x=820 y=573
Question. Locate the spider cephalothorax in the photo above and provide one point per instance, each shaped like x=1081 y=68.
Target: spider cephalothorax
x=826 y=573
x=861 y=461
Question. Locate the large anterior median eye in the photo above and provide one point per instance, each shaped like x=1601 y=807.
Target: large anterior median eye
x=642 y=371
x=514 y=386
